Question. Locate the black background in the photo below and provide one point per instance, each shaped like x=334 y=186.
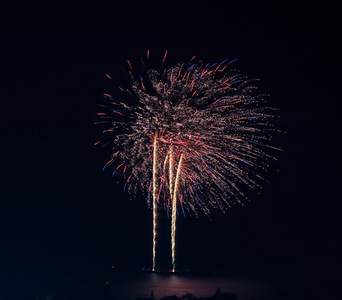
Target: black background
x=60 y=213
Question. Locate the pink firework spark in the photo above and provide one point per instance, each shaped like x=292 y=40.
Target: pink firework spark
x=207 y=113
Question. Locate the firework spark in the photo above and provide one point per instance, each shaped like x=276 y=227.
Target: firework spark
x=192 y=135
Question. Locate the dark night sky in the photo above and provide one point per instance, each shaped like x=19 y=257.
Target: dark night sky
x=60 y=213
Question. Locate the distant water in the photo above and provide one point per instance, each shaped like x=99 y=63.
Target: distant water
x=131 y=287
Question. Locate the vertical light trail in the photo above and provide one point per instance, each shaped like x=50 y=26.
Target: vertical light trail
x=155 y=195
x=171 y=172
x=174 y=214
x=171 y=182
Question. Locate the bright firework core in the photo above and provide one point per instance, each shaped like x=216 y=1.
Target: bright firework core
x=191 y=136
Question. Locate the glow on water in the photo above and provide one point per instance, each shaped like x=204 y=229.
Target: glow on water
x=199 y=286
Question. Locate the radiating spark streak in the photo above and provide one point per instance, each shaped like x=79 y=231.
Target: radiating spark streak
x=127 y=181
x=109 y=162
x=130 y=66
x=142 y=84
x=107 y=96
x=118 y=167
x=223 y=68
x=171 y=75
x=187 y=78
x=225 y=87
x=165 y=55
x=225 y=81
x=232 y=61
x=180 y=69
x=117 y=112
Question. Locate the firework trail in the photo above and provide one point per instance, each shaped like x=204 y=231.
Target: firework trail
x=155 y=187
x=192 y=135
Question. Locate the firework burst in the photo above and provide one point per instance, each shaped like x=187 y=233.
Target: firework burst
x=191 y=136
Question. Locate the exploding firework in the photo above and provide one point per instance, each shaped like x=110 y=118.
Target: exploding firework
x=191 y=136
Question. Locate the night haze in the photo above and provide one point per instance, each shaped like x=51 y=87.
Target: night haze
x=64 y=224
